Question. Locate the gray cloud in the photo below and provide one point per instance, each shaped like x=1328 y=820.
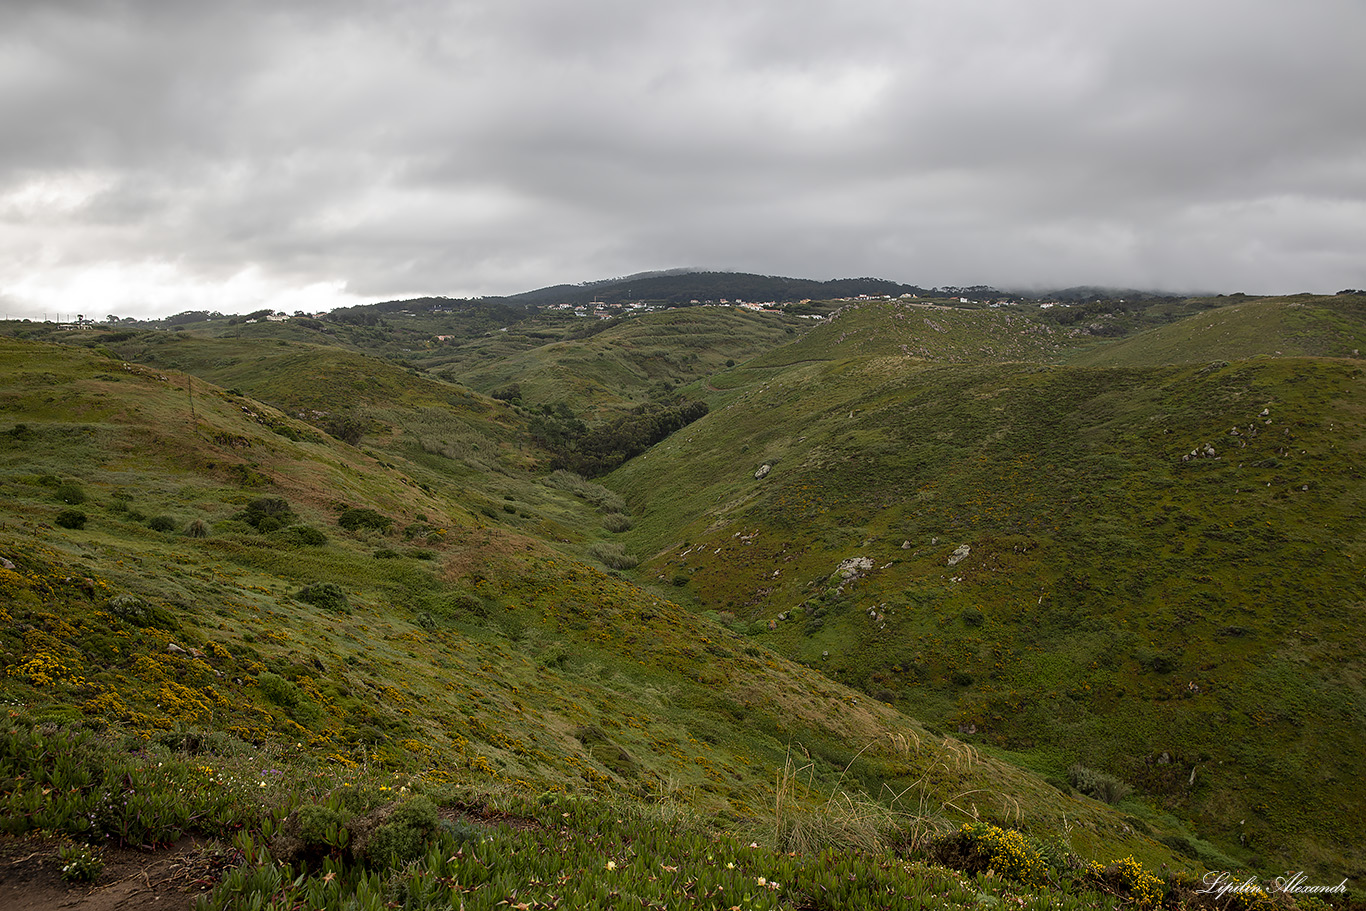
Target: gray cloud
x=234 y=155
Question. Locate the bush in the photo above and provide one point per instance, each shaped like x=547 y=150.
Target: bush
x=615 y=522
x=71 y=494
x=71 y=518
x=161 y=523
x=323 y=825
x=304 y=535
x=198 y=528
x=601 y=497
x=1099 y=785
x=354 y=519
x=345 y=427
x=327 y=595
x=267 y=514
x=130 y=608
x=612 y=555
x=979 y=846
x=279 y=691
x=403 y=836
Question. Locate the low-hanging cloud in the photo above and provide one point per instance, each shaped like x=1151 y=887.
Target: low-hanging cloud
x=304 y=155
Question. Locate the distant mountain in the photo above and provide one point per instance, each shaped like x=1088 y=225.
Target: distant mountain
x=1085 y=293
x=684 y=287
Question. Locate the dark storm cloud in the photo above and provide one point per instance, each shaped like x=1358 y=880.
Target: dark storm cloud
x=160 y=154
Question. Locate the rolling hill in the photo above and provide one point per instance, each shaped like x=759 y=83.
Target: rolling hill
x=1112 y=566
x=922 y=580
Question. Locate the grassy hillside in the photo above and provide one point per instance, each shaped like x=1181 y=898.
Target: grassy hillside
x=924 y=331
x=1151 y=571
x=592 y=365
x=213 y=583
x=1303 y=325
x=1084 y=564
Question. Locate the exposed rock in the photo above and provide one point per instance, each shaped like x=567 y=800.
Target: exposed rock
x=174 y=649
x=762 y=472
x=854 y=567
x=959 y=554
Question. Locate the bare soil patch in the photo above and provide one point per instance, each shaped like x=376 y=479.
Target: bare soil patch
x=168 y=878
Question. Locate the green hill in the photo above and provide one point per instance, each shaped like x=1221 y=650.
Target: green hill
x=594 y=365
x=923 y=331
x=193 y=570
x=1159 y=572
x=1304 y=325
x=926 y=585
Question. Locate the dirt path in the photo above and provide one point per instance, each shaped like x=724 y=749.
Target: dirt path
x=170 y=878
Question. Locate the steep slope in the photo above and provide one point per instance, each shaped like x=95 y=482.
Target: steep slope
x=1152 y=571
x=180 y=568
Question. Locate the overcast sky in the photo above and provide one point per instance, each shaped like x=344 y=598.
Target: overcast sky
x=166 y=155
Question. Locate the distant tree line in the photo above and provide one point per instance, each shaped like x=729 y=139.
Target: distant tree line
x=596 y=450
x=683 y=289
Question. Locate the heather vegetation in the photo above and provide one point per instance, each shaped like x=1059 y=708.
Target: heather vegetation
x=910 y=607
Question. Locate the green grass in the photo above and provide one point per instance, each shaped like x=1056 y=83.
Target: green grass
x=1304 y=325
x=290 y=832
x=1118 y=604
x=1119 y=607
x=470 y=655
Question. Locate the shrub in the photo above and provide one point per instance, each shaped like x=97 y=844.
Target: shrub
x=403 y=835
x=71 y=494
x=601 y=497
x=161 y=523
x=612 y=555
x=1128 y=878
x=1099 y=785
x=303 y=534
x=345 y=427
x=355 y=518
x=130 y=608
x=979 y=846
x=80 y=863
x=279 y=691
x=71 y=518
x=197 y=528
x=615 y=522
x=327 y=595
x=267 y=514
x=322 y=825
